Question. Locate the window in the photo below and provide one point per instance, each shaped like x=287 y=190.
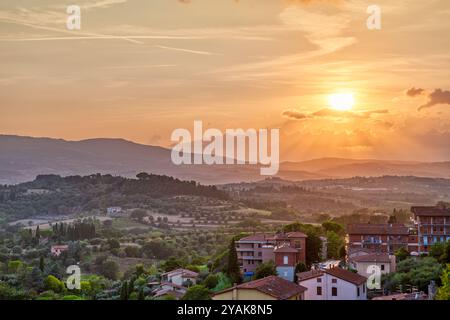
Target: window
x=382 y=267
x=285 y=260
x=357 y=292
x=334 y=291
x=319 y=280
x=364 y=288
x=319 y=291
x=333 y=280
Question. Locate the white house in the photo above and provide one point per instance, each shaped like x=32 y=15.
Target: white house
x=111 y=211
x=333 y=284
x=179 y=276
x=363 y=263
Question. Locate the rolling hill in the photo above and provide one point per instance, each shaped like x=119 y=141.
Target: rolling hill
x=23 y=158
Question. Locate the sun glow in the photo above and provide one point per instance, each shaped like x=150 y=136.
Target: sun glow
x=341 y=101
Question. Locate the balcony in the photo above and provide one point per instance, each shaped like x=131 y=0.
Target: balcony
x=372 y=241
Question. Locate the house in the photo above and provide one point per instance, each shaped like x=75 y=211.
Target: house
x=333 y=284
x=285 y=261
x=58 y=249
x=432 y=224
x=363 y=263
x=269 y=288
x=168 y=288
x=258 y=248
x=381 y=237
x=180 y=277
x=113 y=211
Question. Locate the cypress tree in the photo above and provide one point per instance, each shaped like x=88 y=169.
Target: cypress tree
x=233 y=270
x=124 y=291
x=41 y=263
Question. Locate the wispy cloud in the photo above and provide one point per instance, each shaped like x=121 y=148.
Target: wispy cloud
x=185 y=50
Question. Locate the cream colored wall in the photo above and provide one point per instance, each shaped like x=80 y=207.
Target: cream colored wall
x=244 y=294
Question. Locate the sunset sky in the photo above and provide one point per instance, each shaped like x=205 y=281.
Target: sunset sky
x=138 y=69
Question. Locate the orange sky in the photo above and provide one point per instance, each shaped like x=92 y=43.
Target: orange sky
x=248 y=64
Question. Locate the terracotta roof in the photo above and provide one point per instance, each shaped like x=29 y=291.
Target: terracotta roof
x=375 y=229
x=184 y=272
x=430 y=211
x=373 y=257
x=346 y=275
x=255 y=237
x=302 y=276
x=273 y=286
x=296 y=234
x=285 y=249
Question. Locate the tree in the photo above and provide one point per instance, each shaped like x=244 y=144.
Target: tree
x=54 y=284
x=211 y=281
x=197 y=292
x=41 y=263
x=446 y=255
x=401 y=254
x=333 y=226
x=417 y=272
x=265 y=269
x=313 y=248
x=300 y=267
x=233 y=270
x=109 y=269
x=124 y=291
x=138 y=214
x=437 y=251
x=334 y=244
x=443 y=292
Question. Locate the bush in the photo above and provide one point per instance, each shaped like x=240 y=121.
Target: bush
x=211 y=281
x=54 y=284
x=197 y=292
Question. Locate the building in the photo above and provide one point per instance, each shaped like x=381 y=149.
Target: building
x=113 y=211
x=285 y=249
x=432 y=224
x=364 y=263
x=269 y=288
x=333 y=284
x=383 y=238
x=169 y=289
x=179 y=277
x=58 y=249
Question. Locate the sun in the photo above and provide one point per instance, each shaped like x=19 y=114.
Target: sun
x=341 y=101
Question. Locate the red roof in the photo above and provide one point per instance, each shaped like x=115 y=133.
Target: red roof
x=346 y=275
x=375 y=229
x=273 y=286
x=430 y=211
x=309 y=275
x=373 y=257
x=340 y=273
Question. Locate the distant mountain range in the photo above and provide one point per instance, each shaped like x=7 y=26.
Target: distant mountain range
x=23 y=158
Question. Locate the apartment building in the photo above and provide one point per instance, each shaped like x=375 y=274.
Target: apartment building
x=432 y=224
x=285 y=249
x=381 y=238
